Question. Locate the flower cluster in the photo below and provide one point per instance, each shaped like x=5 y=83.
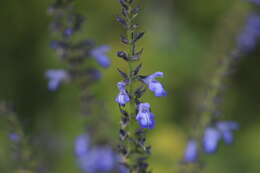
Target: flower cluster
x=131 y=89
x=221 y=130
x=96 y=159
x=211 y=129
x=211 y=138
x=77 y=55
x=66 y=23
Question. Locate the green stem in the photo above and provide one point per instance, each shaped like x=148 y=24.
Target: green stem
x=132 y=104
x=209 y=104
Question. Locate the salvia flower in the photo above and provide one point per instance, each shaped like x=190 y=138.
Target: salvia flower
x=100 y=54
x=154 y=85
x=248 y=38
x=222 y=130
x=123 y=96
x=56 y=77
x=99 y=159
x=226 y=128
x=211 y=139
x=191 y=152
x=145 y=117
x=95 y=159
x=82 y=145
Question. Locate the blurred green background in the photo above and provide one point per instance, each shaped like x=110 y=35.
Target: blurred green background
x=184 y=38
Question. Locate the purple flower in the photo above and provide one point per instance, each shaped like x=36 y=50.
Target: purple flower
x=82 y=145
x=226 y=128
x=222 y=130
x=247 y=40
x=99 y=159
x=99 y=54
x=154 y=85
x=60 y=47
x=68 y=32
x=211 y=139
x=14 y=137
x=191 y=152
x=145 y=117
x=255 y=1
x=123 y=96
x=95 y=159
x=106 y=160
x=56 y=77
x=123 y=169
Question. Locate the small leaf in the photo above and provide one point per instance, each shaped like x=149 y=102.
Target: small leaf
x=135 y=11
x=124 y=121
x=137 y=69
x=137 y=55
x=122 y=150
x=122 y=54
x=123 y=112
x=140 y=52
x=138 y=36
x=148 y=149
x=121 y=21
x=124 y=4
x=140 y=92
x=123 y=134
x=125 y=12
x=123 y=74
x=134 y=26
x=124 y=40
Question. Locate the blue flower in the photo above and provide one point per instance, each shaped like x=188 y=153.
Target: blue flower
x=211 y=139
x=255 y=1
x=56 y=77
x=226 y=128
x=99 y=159
x=14 y=137
x=145 y=117
x=154 y=85
x=123 y=169
x=106 y=160
x=99 y=54
x=123 y=96
x=248 y=38
x=82 y=145
x=68 y=32
x=96 y=159
x=191 y=152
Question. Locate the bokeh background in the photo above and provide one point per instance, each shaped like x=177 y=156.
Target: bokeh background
x=184 y=38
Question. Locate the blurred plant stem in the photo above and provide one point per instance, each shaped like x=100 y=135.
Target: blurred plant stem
x=20 y=149
x=223 y=42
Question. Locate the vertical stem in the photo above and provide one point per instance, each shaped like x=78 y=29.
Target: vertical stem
x=216 y=83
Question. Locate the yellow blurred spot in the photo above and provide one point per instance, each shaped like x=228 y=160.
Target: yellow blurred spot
x=168 y=141
x=23 y=171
